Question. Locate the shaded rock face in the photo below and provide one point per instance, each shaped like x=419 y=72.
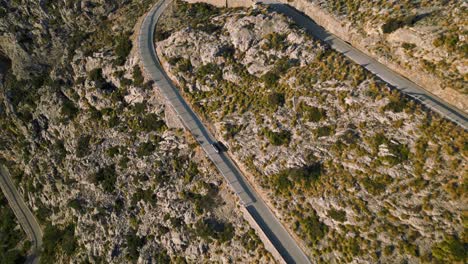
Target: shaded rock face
x=355 y=170
x=86 y=137
x=5 y=65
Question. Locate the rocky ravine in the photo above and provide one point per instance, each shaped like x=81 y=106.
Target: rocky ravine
x=359 y=173
x=90 y=145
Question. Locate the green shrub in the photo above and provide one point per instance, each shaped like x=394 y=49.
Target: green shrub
x=275 y=41
x=275 y=100
x=145 y=149
x=75 y=204
x=152 y=122
x=312 y=113
x=400 y=153
x=281 y=183
x=231 y=130
x=113 y=151
x=212 y=228
x=270 y=79
x=123 y=48
x=134 y=243
x=373 y=186
x=69 y=109
x=451 y=249
x=338 y=215
x=137 y=76
x=324 y=131
x=147 y=196
x=82 y=149
x=388 y=250
x=95 y=75
x=210 y=69
x=311 y=227
x=278 y=138
x=106 y=177
x=286 y=179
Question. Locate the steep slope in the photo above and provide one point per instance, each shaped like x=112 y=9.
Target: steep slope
x=359 y=172
x=94 y=151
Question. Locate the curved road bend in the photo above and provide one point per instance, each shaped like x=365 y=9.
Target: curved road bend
x=407 y=87
x=25 y=217
x=274 y=230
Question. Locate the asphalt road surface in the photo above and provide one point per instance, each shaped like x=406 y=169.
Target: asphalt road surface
x=407 y=87
x=275 y=231
x=25 y=217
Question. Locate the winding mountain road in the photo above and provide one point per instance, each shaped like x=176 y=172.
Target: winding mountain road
x=25 y=217
x=256 y=207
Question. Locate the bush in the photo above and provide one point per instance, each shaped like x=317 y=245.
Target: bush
x=145 y=149
x=337 y=215
x=275 y=41
x=278 y=138
x=231 y=130
x=123 y=48
x=324 y=131
x=82 y=149
x=75 y=204
x=373 y=186
x=106 y=177
x=134 y=243
x=113 y=151
x=281 y=184
x=152 y=122
x=69 y=109
x=210 y=69
x=138 y=79
x=312 y=113
x=286 y=179
x=451 y=249
x=276 y=99
x=147 y=196
x=212 y=228
x=312 y=228
x=270 y=79
x=95 y=75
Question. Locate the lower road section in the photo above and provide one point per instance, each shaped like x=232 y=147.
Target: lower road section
x=272 y=228
x=25 y=217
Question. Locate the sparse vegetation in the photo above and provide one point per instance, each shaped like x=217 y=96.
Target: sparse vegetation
x=325 y=133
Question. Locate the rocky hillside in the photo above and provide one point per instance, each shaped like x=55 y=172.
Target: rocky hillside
x=357 y=171
x=94 y=150
x=425 y=41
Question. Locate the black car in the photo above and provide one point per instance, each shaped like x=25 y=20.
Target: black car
x=216 y=147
